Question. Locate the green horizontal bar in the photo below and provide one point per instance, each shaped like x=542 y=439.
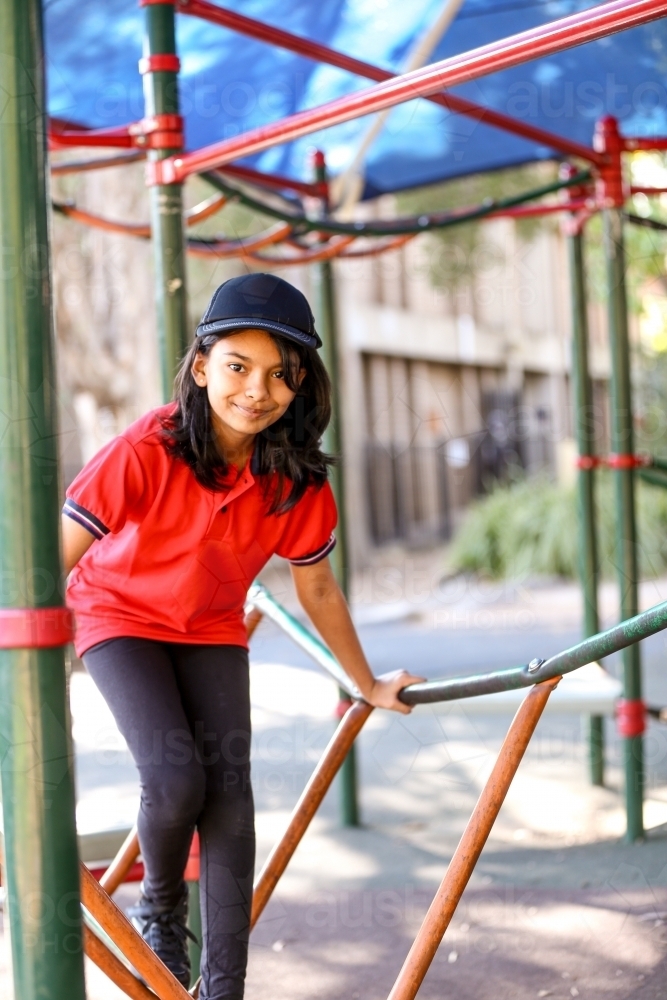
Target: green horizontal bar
x=261 y=599
x=399 y=227
x=594 y=648
x=659 y=463
x=654 y=478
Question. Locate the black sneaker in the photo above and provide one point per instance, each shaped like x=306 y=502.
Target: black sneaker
x=165 y=931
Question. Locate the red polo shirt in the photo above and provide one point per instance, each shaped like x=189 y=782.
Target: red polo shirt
x=174 y=561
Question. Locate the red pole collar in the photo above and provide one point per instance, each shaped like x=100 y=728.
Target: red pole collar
x=159 y=62
x=35 y=628
x=614 y=461
x=621 y=461
x=588 y=462
x=630 y=717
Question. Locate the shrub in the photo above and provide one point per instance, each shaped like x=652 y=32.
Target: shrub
x=531 y=528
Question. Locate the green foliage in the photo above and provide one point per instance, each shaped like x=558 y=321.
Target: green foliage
x=530 y=528
x=644 y=253
x=460 y=253
x=650 y=382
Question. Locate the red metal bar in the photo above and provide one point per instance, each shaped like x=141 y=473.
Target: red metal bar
x=322 y=53
x=164 y=131
x=641 y=189
x=274 y=181
x=528 y=211
x=658 y=143
x=584 y=26
x=115 y=137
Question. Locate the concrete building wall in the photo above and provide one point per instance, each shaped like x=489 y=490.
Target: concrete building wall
x=425 y=370
x=421 y=363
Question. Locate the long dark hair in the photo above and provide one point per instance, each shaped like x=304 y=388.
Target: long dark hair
x=289 y=448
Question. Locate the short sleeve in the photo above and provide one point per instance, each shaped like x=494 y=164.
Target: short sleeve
x=106 y=489
x=308 y=536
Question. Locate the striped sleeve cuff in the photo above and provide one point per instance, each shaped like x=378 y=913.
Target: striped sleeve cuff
x=85 y=518
x=315 y=557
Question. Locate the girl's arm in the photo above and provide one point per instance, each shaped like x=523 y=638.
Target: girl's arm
x=76 y=542
x=323 y=601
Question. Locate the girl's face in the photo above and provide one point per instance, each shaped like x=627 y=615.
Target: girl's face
x=244 y=378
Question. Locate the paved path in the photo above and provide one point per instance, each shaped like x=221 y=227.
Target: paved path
x=558 y=905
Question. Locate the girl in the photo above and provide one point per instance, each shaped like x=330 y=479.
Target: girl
x=167 y=526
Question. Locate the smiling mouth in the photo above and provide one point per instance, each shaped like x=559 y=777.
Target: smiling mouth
x=248 y=411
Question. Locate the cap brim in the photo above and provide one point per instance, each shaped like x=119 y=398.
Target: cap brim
x=241 y=323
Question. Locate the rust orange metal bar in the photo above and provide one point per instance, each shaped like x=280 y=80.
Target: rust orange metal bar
x=204 y=210
x=119 y=868
x=78 y=166
x=321 y=252
x=141 y=229
x=132 y=945
x=472 y=842
x=252 y=620
x=239 y=248
x=113 y=968
x=308 y=804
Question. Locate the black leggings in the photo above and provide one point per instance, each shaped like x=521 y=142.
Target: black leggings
x=184 y=711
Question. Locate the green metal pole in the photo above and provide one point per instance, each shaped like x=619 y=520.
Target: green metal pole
x=583 y=418
x=325 y=307
x=41 y=865
x=194 y=924
x=161 y=98
x=623 y=444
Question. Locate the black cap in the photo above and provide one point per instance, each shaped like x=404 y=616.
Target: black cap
x=261 y=302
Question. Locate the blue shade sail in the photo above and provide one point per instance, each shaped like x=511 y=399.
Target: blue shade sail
x=230 y=83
